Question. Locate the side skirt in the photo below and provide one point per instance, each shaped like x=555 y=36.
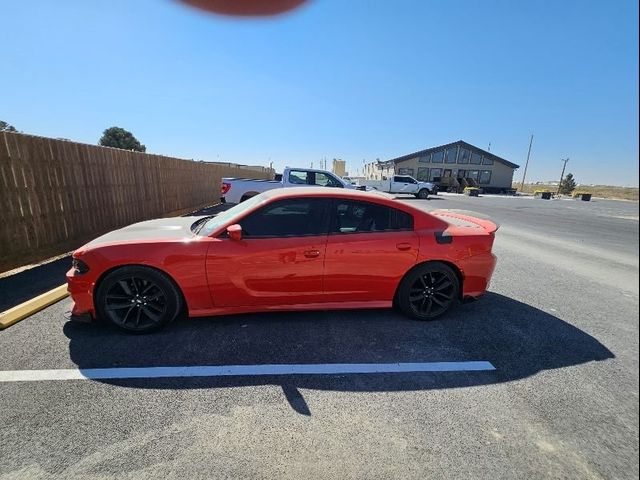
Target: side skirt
x=290 y=308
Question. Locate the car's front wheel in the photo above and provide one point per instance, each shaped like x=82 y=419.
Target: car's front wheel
x=428 y=291
x=423 y=194
x=137 y=299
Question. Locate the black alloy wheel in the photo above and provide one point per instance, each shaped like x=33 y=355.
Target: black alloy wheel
x=428 y=291
x=137 y=299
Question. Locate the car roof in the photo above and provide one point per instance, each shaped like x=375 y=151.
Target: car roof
x=278 y=193
x=351 y=194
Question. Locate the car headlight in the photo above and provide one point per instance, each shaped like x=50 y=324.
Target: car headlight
x=79 y=266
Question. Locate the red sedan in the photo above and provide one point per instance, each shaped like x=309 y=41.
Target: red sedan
x=288 y=249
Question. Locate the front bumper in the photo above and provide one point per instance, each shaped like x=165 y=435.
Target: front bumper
x=80 y=287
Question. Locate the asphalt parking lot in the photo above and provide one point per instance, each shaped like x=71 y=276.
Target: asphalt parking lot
x=560 y=326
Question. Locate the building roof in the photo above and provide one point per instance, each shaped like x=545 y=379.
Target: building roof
x=462 y=143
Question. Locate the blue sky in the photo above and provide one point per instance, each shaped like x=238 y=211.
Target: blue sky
x=355 y=79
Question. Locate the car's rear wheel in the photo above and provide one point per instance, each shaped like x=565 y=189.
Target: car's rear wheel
x=247 y=196
x=428 y=291
x=138 y=299
x=423 y=194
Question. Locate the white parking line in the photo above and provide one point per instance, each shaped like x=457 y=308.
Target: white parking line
x=238 y=370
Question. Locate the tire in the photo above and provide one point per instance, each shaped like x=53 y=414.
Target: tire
x=247 y=196
x=423 y=194
x=138 y=299
x=428 y=291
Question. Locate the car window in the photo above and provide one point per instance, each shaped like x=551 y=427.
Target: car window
x=356 y=217
x=204 y=227
x=287 y=218
x=404 y=180
x=324 y=180
x=298 y=177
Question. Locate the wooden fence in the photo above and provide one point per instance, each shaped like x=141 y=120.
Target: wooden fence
x=55 y=195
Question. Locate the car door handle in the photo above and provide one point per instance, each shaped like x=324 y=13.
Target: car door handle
x=403 y=246
x=312 y=253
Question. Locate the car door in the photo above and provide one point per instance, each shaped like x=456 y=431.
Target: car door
x=401 y=185
x=370 y=247
x=278 y=261
x=412 y=186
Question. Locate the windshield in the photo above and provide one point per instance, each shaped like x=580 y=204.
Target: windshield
x=225 y=217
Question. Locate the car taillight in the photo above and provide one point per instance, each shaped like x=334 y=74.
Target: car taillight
x=225 y=188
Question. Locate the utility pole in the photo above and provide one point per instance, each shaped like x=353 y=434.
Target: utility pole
x=562 y=174
x=524 y=175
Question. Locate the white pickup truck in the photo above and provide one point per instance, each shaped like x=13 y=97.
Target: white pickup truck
x=399 y=184
x=236 y=190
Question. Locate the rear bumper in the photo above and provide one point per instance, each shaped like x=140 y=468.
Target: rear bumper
x=477 y=272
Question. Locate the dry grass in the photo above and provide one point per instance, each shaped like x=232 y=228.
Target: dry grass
x=602 y=191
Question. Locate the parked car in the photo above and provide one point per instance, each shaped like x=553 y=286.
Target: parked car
x=287 y=249
x=399 y=184
x=236 y=190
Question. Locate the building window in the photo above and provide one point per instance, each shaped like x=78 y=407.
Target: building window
x=485 y=177
x=424 y=158
x=476 y=158
x=463 y=156
x=437 y=157
x=451 y=155
x=473 y=174
x=435 y=173
x=487 y=160
x=405 y=171
x=423 y=174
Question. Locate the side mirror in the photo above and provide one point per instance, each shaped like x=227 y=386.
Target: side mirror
x=235 y=232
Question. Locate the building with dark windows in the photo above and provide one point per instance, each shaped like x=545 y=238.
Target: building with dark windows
x=455 y=161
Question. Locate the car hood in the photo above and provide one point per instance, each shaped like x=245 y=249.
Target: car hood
x=161 y=229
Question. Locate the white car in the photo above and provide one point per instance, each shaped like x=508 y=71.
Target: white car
x=401 y=184
x=236 y=190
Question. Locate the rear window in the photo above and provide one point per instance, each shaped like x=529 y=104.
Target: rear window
x=361 y=217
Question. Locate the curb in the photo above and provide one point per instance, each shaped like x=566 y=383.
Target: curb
x=28 y=308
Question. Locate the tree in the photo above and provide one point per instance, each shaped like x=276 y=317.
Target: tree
x=568 y=184
x=120 y=138
x=5 y=127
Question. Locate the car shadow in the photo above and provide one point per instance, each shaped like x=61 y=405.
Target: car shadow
x=518 y=339
x=210 y=210
x=411 y=197
x=22 y=286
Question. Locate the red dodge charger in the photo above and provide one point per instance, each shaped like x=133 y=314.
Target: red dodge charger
x=288 y=249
